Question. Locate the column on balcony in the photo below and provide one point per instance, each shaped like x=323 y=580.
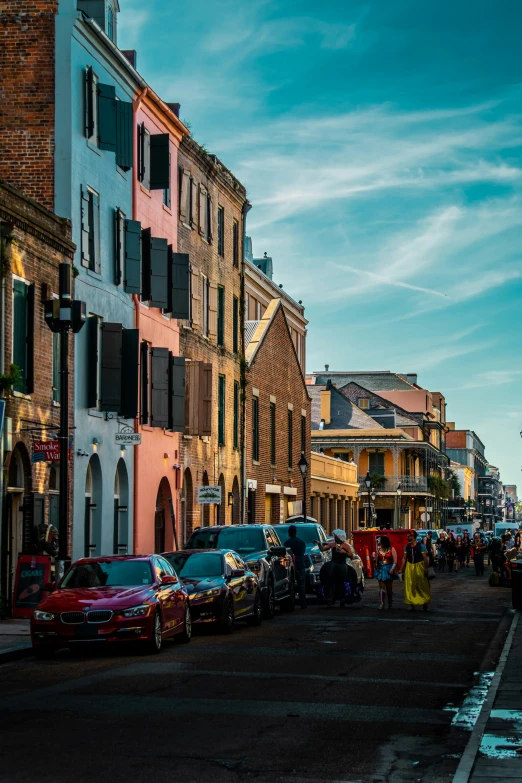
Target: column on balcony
x=325 y=520
x=333 y=513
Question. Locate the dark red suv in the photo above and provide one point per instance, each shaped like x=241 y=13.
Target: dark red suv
x=113 y=599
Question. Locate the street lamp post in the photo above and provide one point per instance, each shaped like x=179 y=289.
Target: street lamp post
x=398 y=502
x=368 y=484
x=303 y=467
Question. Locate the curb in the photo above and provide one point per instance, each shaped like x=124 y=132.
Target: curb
x=15 y=652
x=467 y=760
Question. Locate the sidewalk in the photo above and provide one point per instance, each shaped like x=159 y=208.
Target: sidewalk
x=494 y=750
x=15 y=639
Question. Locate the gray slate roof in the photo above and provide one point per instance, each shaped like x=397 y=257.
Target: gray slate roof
x=373 y=381
x=250 y=328
x=344 y=414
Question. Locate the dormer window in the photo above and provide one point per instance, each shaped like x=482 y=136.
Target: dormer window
x=364 y=403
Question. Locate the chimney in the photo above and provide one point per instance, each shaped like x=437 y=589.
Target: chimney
x=411 y=377
x=132 y=56
x=326 y=406
x=326 y=367
x=174 y=107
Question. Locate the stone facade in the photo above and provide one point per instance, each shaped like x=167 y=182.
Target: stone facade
x=274 y=378
x=33 y=243
x=204 y=460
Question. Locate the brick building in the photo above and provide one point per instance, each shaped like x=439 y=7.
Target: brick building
x=212 y=210
x=33 y=243
x=278 y=419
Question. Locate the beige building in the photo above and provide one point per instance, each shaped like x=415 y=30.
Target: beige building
x=334 y=500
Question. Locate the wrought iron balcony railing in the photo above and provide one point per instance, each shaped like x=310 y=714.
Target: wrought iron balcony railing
x=408 y=484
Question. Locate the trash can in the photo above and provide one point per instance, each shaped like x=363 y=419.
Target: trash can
x=516 y=583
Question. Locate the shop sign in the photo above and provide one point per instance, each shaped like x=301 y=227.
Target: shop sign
x=46 y=451
x=209 y=494
x=32 y=573
x=128 y=438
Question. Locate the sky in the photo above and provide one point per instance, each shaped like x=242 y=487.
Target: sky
x=380 y=145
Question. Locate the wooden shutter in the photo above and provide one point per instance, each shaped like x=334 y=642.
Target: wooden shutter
x=159 y=161
x=94 y=246
x=205 y=386
x=124 y=125
x=221 y=410
x=212 y=309
x=202 y=211
x=177 y=394
x=110 y=376
x=132 y=268
x=179 y=281
x=119 y=245
x=235 y=324
x=29 y=377
x=86 y=227
x=195 y=291
x=160 y=387
x=192 y=406
x=91 y=97
x=159 y=274
x=92 y=361
x=193 y=202
x=106 y=117
x=210 y=211
x=129 y=373
x=141 y=151
x=184 y=197
x=144 y=383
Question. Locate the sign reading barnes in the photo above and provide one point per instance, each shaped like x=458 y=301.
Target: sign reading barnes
x=46 y=451
x=128 y=438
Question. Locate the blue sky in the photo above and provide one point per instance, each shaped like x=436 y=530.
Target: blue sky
x=380 y=145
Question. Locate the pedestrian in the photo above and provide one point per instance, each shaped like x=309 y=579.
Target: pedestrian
x=428 y=543
x=460 y=554
x=518 y=541
x=414 y=566
x=496 y=553
x=443 y=538
x=467 y=546
x=479 y=547
x=385 y=570
x=334 y=573
x=298 y=549
x=450 y=551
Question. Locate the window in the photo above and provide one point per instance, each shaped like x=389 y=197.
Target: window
x=255 y=429
x=236 y=414
x=221 y=316
x=144 y=383
x=221 y=410
x=205 y=305
x=90 y=214
x=377 y=462
x=235 y=325
x=162 y=388
x=290 y=438
x=108 y=120
x=272 y=433
x=112 y=367
x=144 y=156
x=56 y=367
x=23 y=334
x=221 y=230
x=166 y=191
x=235 y=243
x=303 y=434
x=364 y=403
x=205 y=214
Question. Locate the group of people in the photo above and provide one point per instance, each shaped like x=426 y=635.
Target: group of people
x=414 y=570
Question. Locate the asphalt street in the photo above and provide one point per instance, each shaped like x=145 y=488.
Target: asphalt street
x=324 y=694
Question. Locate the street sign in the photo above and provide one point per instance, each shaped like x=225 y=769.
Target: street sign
x=209 y=494
x=46 y=451
x=128 y=438
x=425 y=517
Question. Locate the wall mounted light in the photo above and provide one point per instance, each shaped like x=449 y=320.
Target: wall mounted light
x=166 y=456
x=96 y=442
x=123 y=450
x=81 y=453
x=230 y=498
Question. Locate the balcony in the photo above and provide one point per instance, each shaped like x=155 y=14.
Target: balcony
x=408 y=484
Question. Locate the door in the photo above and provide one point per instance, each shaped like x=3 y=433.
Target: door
x=237 y=584
x=159 y=530
x=251 y=506
x=268 y=509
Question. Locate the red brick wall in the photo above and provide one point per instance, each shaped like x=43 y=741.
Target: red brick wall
x=275 y=371
x=456 y=439
x=27 y=96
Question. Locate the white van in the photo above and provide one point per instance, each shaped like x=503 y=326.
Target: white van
x=503 y=527
x=462 y=527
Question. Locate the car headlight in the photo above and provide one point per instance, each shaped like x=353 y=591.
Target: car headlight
x=46 y=616
x=137 y=611
x=204 y=594
x=256 y=566
x=317 y=557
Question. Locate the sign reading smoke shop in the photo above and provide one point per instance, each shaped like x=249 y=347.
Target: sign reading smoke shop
x=46 y=451
x=209 y=494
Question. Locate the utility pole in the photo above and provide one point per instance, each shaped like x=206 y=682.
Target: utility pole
x=63 y=315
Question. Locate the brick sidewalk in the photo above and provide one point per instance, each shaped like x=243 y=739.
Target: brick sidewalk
x=15 y=639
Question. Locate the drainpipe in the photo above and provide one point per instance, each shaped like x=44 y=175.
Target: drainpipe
x=247 y=206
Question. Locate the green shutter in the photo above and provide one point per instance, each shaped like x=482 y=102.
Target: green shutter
x=90 y=102
x=124 y=125
x=235 y=324
x=177 y=395
x=119 y=245
x=221 y=410
x=221 y=316
x=86 y=228
x=129 y=374
x=95 y=233
x=159 y=162
x=110 y=375
x=155 y=270
x=144 y=383
x=20 y=332
x=160 y=387
x=132 y=270
x=92 y=361
x=29 y=343
x=178 y=284
x=106 y=117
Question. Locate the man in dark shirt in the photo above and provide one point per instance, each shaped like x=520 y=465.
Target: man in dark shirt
x=298 y=548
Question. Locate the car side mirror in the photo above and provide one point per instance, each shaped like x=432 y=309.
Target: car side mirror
x=277 y=551
x=49 y=587
x=168 y=579
x=238 y=572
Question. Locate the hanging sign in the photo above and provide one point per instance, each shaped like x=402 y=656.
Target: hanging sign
x=32 y=572
x=46 y=451
x=209 y=494
x=128 y=438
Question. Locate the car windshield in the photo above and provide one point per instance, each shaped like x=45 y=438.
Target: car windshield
x=308 y=533
x=108 y=573
x=242 y=540
x=196 y=564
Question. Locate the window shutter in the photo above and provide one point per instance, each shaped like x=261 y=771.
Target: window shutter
x=179 y=278
x=221 y=410
x=124 y=125
x=212 y=309
x=110 y=376
x=29 y=378
x=160 y=387
x=132 y=268
x=91 y=96
x=92 y=365
x=202 y=210
x=205 y=390
x=184 y=197
x=141 y=151
x=119 y=245
x=177 y=397
x=106 y=117
x=209 y=217
x=195 y=290
x=94 y=251
x=86 y=227
x=235 y=324
x=129 y=373
x=221 y=316
x=159 y=161
x=159 y=262
x=192 y=392
x=193 y=202
x=144 y=362
x=146 y=255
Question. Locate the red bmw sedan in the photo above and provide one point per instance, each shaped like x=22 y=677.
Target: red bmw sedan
x=113 y=599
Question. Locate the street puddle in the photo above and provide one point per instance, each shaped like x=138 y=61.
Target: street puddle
x=467 y=714
x=494 y=747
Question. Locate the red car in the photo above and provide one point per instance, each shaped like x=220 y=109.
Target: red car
x=113 y=599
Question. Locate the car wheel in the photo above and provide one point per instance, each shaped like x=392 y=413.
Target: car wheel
x=226 y=624
x=269 y=603
x=186 y=635
x=155 y=641
x=257 y=615
x=43 y=653
x=289 y=603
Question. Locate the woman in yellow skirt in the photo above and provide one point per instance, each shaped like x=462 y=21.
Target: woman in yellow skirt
x=414 y=566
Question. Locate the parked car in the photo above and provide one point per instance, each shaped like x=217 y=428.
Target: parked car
x=221 y=587
x=110 y=600
x=310 y=531
x=259 y=546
